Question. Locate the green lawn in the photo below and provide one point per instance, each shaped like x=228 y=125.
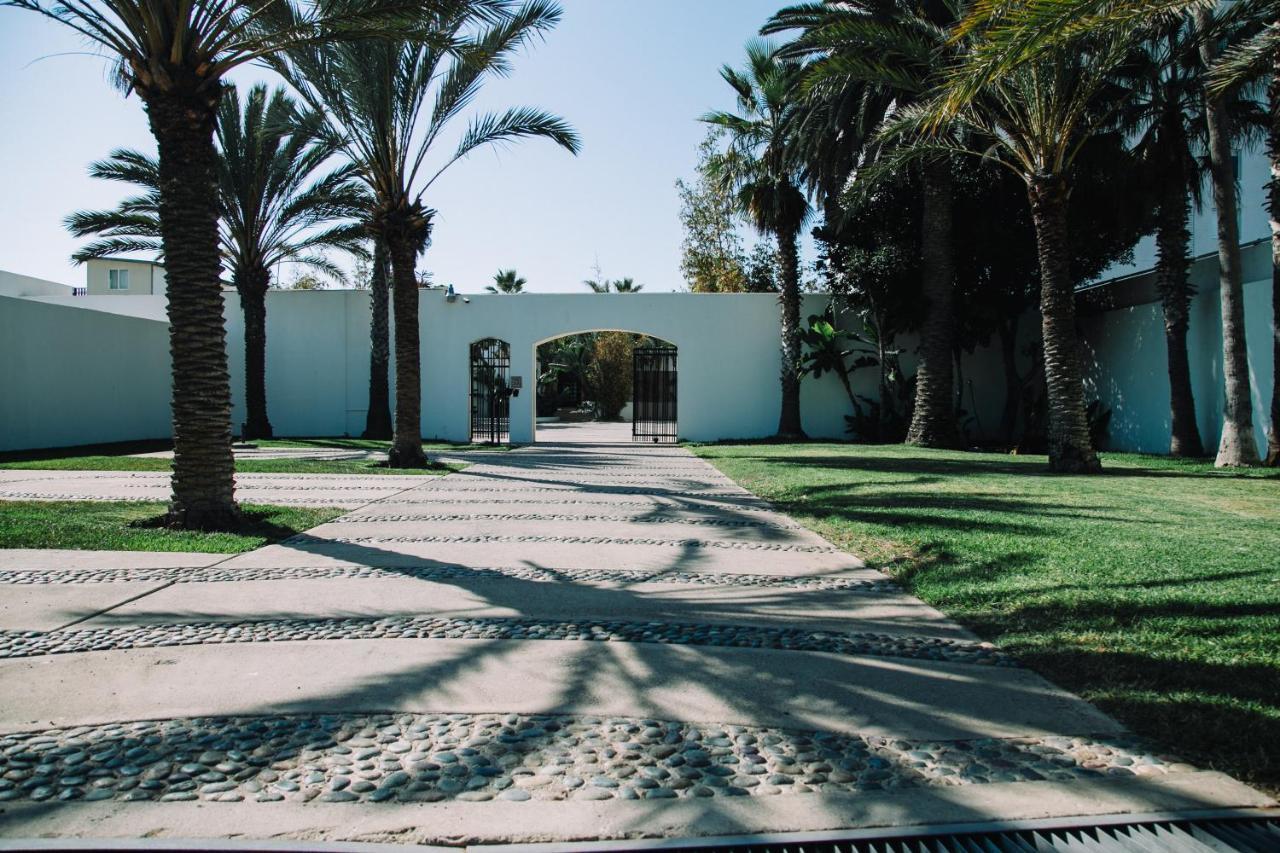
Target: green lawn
x=134 y=526
x=1152 y=590
x=116 y=457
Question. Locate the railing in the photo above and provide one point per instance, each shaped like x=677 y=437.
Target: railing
x=79 y=291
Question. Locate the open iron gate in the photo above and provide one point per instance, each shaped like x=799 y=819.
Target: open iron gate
x=653 y=411
x=490 y=391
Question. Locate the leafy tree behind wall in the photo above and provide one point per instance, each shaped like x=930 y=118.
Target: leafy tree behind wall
x=711 y=255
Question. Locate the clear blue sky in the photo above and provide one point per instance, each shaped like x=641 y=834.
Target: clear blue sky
x=632 y=77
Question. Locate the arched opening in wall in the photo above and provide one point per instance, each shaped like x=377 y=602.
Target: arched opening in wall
x=604 y=387
x=491 y=391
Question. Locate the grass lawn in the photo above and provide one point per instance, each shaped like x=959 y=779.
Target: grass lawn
x=1152 y=590
x=132 y=526
x=116 y=457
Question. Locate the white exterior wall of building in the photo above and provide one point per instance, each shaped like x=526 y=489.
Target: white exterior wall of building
x=145 y=278
x=70 y=376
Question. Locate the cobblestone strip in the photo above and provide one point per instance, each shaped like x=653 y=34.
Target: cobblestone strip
x=21 y=644
x=454 y=485
x=433 y=497
x=481 y=539
x=347 y=758
x=215 y=574
x=543 y=516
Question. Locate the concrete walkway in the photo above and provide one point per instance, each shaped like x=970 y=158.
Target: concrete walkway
x=560 y=642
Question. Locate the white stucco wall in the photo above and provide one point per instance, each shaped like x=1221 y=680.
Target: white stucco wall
x=71 y=376
x=1128 y=369
x=14 y=284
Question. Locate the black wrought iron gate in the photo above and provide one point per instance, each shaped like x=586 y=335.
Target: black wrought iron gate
x=490 y=391
x=653 y=412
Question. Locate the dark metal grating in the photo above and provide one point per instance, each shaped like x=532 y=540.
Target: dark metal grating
x=1208 y=836
x=653 y=413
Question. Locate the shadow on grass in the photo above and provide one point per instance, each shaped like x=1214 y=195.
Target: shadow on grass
x=254 y=521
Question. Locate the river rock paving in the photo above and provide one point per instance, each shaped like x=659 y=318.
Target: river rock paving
x=17 y=644
x=230 y=574
x=431 y=757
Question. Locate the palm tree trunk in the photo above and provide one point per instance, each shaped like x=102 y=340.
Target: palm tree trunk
x=933 y=421
x=253 y=301
x=1273 y=205
x=1012 y=382
x=203 y=464
x=1237 y=447
x=378 y=420
x=1070 y=448
x=406 y=445
x=789 y=420
x=1172 y=269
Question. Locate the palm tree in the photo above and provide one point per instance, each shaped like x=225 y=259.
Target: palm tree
x=1164 y=116
x=378 y=417
x=880 y=53
x=1237 y=446
x=767 y=182
x=1034 y=119
x=1015 y=34
x=175 y=56
x=269 y=214
x=506 y=281
x=598 y=285
x=626 y=285
x=388 y=101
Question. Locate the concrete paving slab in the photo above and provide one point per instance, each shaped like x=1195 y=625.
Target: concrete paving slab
x=805 y=690
x=23 y=559
x=669 y=555
x=727 y=528
x=457 y=823
x=834 y=610
x=30 y=607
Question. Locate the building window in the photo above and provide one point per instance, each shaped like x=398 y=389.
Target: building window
x=117 y=279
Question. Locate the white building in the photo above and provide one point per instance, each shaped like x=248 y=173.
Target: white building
x=123 y=276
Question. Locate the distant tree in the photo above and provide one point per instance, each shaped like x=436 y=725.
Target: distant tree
x=305 y=281
x=610 y=373
x=507 y=281
x=762 y=269
x=711 y=256
x=626 y=285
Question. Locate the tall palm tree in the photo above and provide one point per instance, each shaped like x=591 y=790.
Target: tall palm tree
x=507 y=281
x=892 y=52
x=175 y=56
x=1237 y=446
x=270 y=212
x=1019 y=32
x=768 y=183
x=378 y=417
x=388 y=101
x=1164 y=116
x=1034 y=119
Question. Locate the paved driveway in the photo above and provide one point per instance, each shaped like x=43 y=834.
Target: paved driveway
x=558 y=642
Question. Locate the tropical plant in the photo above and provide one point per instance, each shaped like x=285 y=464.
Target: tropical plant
x=506 y=281
x=175 y=57
x=388 y=101
x=759 y=166
x=271 y=211
x=828 y=349
x=626 y=285
x=882 y=54
x=616 y=285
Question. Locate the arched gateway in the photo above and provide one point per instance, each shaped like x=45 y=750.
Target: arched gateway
x=720 y=382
